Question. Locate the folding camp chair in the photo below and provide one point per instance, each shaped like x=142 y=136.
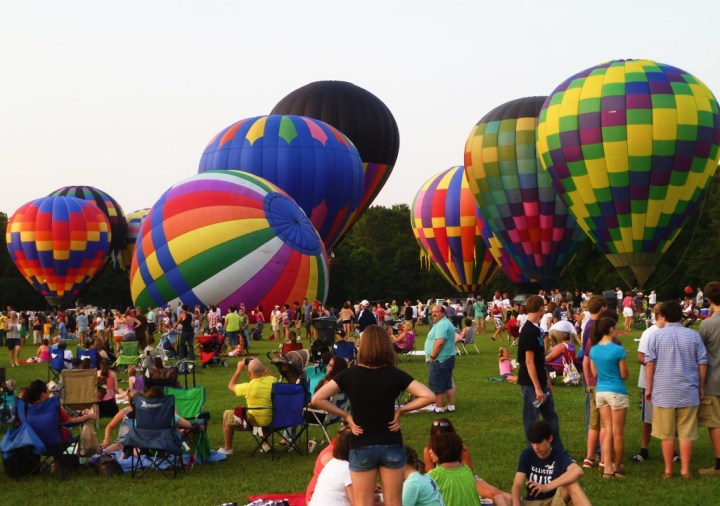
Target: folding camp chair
x=91 y=354
x=189 y=405
x=56 y=364
x=346 y=350
x=323 y=419
x=288 y=420
x=154 y=433
x=469 y=340
x=128 y=356
x=44 y=419
x=79 y=390
x=408 y=347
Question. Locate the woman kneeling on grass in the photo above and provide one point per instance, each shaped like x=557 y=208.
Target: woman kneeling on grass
x=376 y=443
x=607 y=362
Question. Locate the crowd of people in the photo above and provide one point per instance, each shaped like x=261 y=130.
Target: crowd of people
x=680 y=378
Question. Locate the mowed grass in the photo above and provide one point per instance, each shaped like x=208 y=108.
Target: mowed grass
x=488 y=418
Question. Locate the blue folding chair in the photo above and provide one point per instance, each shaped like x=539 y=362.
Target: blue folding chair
x=154 y=434
x=345 y=349
x=288 y=420
x=56 y=364
x=44 y=419
x=91 y=353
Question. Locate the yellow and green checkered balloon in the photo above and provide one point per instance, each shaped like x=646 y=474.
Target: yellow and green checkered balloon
x=630 y=146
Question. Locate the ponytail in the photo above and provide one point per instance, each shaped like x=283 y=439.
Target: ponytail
x=412 y=460
x=600 y=328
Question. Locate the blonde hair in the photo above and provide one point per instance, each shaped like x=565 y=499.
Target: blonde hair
x=407 y=325
x=502 y=350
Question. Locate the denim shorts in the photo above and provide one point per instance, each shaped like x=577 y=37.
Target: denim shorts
x=440 y=379
x=369 y=458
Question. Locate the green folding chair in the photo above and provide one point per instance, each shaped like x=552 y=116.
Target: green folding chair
x=189 y=404
x=128 y=356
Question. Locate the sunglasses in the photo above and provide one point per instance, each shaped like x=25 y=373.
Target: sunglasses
x=440 y=423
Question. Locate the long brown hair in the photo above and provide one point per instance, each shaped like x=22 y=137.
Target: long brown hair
x=375 y=348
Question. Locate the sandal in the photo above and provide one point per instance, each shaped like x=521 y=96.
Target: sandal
x=613 y=475
x=667 y=476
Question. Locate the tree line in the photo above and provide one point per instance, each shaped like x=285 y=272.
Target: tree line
x=380 y=260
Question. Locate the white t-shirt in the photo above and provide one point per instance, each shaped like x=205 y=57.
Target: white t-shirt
x=522 y=318
x=546 y=322
x=642 y=348
x=332 y=483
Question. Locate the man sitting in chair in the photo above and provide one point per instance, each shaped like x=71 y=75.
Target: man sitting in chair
x=257 y=396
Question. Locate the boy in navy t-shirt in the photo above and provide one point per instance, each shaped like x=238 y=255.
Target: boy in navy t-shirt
x=550 y=475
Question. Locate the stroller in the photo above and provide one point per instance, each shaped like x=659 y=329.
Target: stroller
x=166 y=347
x=291 y=366
x=210 y=348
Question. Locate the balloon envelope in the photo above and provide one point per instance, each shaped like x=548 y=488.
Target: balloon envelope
x=311 y=160
x=134 y=221
x=630 y=145
x=226 y=238
x=448 y=227
x=109 y=207
x=358 y=114
x=58 y=244
x=516 y=196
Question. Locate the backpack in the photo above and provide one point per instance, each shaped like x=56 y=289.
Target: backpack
x=107 y=465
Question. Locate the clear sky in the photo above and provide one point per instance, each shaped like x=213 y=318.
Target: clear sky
x=125 y=95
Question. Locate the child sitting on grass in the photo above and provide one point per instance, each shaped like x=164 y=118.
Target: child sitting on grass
x=505 y=365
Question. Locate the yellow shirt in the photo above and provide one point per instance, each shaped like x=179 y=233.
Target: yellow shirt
x=257 y=394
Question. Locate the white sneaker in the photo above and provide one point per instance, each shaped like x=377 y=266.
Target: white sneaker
x=224 y=451
x=266 y=448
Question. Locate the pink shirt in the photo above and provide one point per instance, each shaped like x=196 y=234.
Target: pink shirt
x=505 y=366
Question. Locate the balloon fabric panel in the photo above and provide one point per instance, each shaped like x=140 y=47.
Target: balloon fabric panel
x=631 y=145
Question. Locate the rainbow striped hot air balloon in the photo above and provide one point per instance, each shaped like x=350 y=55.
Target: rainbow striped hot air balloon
x=225 y=238
x=58 y=244
x=310 y=160
x=134 y=221
x=448 y=227
x=631 y=146
x=516 y=196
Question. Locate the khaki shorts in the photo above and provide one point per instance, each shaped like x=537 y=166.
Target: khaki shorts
x=556 y=500
x=709 y=412
x=594 y=412
x=615 y=401
x=229 y=419
x=670 y=421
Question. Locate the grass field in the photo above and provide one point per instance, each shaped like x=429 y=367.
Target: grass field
x=488 y=418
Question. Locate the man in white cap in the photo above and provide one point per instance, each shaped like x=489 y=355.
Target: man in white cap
x=365 y=316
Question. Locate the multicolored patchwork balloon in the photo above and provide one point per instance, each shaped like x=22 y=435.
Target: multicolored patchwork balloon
x=134 y=221
x=448 y=227
x=58 y=244
x=631 y=146
x=516 y=196
x=362 y=117
x=311 y=160
x=508 y=265
x=226 y=238
x=111 y=209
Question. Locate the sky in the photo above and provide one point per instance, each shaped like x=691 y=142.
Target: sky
x=124 y=96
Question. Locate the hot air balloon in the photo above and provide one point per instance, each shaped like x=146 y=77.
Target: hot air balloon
x=508 y=265
x=360 y=115
x=58 y=244
x=310 y=160
x=109 y=207
x=448 y=227
x=631 y=146
x=134 y=220
x=225 y=238
x=516 y=196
